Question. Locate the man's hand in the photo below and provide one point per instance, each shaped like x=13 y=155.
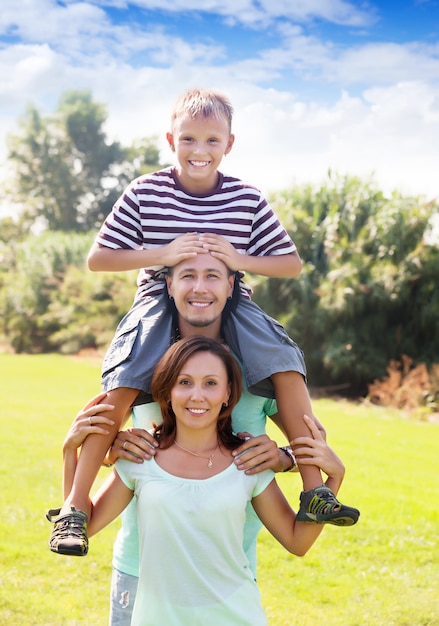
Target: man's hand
x=257 y=454
x=133 y=444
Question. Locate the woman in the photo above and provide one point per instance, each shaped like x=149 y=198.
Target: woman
x=191 y=498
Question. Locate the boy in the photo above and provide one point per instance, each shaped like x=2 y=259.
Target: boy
x=166 y=217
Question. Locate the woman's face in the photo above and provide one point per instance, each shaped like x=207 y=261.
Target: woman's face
x=201 y=390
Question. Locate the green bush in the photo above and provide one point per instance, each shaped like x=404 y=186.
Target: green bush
x=49 y=300
x=368 y=292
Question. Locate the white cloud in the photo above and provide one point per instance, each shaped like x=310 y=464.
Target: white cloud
x=389 y=132
x=47 y=21
x=389 y=125
x=258 y=12
x=385 y=63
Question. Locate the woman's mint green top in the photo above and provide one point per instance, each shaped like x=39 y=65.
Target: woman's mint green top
x=250 y=414
x=193 y=569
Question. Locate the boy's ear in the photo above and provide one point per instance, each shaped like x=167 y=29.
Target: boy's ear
x=230 y=144
x=170 y=138
x=169 y=284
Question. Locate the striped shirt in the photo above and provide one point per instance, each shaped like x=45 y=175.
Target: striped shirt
x=155 y=209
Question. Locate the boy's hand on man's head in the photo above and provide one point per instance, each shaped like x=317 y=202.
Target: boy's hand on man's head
x=222 y=249
x=181 y=248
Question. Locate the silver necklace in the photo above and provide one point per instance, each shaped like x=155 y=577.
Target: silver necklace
x=209 y=459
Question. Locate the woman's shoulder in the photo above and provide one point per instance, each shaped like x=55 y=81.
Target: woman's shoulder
x=130 y=471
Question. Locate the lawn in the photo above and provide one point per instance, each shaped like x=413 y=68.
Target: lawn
x=384 y=570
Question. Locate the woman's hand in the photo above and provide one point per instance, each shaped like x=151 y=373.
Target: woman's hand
x=315 y=451
x=87 y=422
x=133 y=444
x=260 y=453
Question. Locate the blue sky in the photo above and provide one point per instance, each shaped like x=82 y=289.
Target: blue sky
x=316 y=84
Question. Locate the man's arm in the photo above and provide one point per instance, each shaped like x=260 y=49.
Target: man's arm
x=257 y=454
x=133 y=444
x=273 y=508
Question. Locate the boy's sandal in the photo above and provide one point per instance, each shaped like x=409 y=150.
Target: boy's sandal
x=320 y=506
x=69 y=534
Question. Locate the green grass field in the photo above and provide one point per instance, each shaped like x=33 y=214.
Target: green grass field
x=383 y=571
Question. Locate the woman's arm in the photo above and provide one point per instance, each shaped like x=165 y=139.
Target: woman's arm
x=279 y=518
x=111 y=499
x=114 y=495
x=315 y=451
x=274 y=510
x=133 y=444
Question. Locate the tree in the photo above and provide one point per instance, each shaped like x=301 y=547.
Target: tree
x=66 y=173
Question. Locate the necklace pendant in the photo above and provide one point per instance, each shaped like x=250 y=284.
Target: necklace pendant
x=210 y=463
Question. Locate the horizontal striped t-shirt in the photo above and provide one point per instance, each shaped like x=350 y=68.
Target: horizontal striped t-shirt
x=155 y=209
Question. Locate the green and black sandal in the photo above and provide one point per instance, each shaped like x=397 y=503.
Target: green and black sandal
x=69 y=534
x=320 y=506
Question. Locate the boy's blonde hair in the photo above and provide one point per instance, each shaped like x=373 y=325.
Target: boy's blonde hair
x=202 y=103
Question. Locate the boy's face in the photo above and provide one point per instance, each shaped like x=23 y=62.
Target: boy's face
x=200 y=145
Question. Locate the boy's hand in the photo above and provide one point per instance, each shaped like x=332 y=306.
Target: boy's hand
x=257 y=454
x=133 y=444
x=219 y=247
x=181 y=248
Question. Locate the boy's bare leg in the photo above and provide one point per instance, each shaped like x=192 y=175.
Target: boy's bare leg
x=317 y=502
x=94 y=449
x=69 y=535
x=293 y=402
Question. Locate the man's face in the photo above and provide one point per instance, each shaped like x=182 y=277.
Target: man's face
x=200 y=287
